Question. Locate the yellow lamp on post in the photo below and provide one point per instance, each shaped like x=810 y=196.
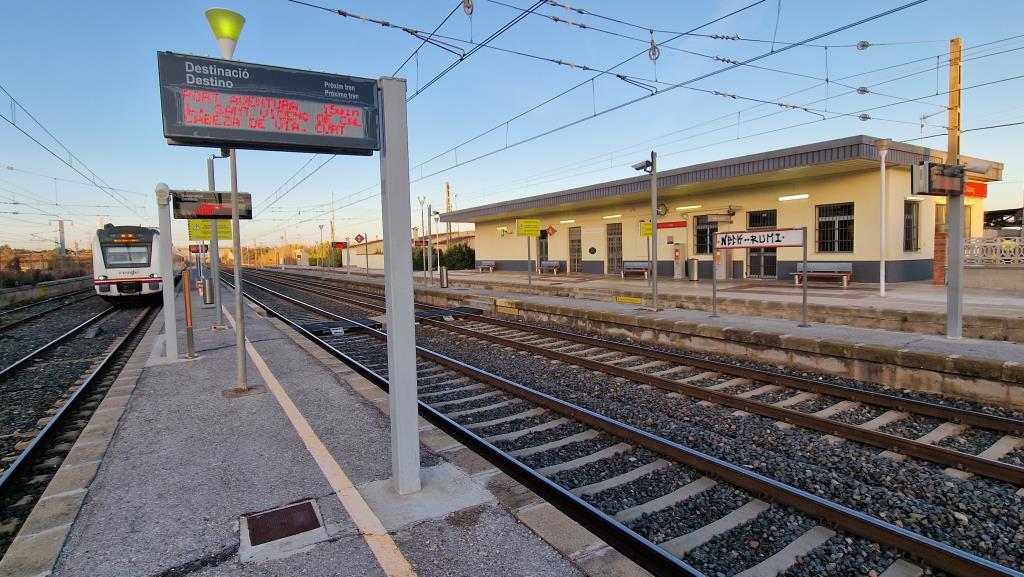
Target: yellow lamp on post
x=227 y=27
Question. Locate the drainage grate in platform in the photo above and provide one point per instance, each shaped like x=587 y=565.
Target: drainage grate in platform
x=281 y=523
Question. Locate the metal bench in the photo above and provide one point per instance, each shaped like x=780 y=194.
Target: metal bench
x=637 y=267
x=550 y=265
x=485 y=264
x=840 y=270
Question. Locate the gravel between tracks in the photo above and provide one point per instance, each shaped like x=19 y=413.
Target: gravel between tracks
x=32 y=390
x=23 y=339
x=912 y=493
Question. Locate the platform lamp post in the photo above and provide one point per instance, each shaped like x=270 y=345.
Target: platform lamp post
x=882 y=145
x=423 y=229
x=227 y=27
x=651 y=166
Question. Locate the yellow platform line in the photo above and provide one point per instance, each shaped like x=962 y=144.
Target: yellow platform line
x=384 y=548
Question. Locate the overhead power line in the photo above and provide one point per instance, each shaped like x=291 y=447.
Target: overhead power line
x=645 y=97
x=425 y=40
x=463 y=55
x=581 y=84
x=92 y=177
x=603 y=160
x=655 y=30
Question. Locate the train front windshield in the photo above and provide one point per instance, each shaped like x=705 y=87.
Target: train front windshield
x=126 y=256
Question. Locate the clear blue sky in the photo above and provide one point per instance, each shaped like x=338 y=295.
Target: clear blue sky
x=87 y=72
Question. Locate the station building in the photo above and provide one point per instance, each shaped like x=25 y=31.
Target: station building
x=833 y=188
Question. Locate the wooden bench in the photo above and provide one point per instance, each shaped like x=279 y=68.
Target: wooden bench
x=637 y=267
x=485 y=264
x=840 y=270
x=550 y=265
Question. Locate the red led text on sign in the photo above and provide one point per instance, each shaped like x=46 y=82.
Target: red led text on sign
x=209 y=108
x=207 y=209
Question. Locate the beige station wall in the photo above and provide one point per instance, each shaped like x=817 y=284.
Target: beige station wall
x=861 y=188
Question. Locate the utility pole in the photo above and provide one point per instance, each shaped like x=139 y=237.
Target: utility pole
x=955 y=206
x=332 y=227
x=63 y=248
x=447 y=209
x=430 y=247
x=60 y=228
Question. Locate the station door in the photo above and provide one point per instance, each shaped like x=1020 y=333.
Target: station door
x=575 y=249
x=614 y=233
x=762 y=262
x=542 y=248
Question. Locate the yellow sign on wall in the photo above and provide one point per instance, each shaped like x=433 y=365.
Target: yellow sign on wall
x=645 y=228
x=528 y=227
x=201 y=229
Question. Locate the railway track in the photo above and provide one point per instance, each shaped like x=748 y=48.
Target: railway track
x=22 y=338
x=630 y=479
x=14 y=316
x=902 y=425
x=48 y=397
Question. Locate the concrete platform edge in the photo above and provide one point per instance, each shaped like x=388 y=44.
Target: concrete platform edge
x=566 y=536
x=35 y=550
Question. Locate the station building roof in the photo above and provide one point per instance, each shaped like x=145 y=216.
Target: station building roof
x=820 y=159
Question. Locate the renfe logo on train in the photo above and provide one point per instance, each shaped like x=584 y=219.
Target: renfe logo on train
x=760 y=238
x=226 y=103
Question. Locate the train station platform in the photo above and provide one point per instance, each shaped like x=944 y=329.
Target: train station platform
x=175 y=477
x=907 y=306
x=897 y=342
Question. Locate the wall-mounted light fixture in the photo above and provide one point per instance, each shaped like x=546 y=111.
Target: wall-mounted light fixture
x=689 y=207
x=794 y=197
x=570 y=221
x=914 y=198
x=611 y=216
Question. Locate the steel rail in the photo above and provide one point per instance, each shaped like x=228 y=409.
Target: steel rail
x=37 y=303
x=20 y=321
x=991 y=468
x=890 y=401
x=644 y=553
x=18 y=363
x=14 y=471
x=932 y=552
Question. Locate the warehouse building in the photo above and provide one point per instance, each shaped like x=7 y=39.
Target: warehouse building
x=833 y=188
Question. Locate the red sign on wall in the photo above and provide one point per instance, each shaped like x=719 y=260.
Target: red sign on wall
x=976 y=189
x=673 y=224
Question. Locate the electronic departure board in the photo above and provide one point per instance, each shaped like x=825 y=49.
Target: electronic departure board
x=215 y=205
x=231 y=104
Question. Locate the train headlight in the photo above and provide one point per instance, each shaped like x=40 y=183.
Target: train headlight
x=102 y=277
x=152 y=275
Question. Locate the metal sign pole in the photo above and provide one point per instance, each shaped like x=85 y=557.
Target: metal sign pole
x=714 y=278
x=163 y=202
x=430 y=246
x=955 y=204
x=804 y=323
x=654 y=230
x=529 y=267
x=366 y=249
x=236 y=244
x=398 y=290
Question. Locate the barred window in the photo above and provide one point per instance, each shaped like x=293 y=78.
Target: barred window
x=911 y=220
x=835 y=228
x=704 y=232
x=762 y=219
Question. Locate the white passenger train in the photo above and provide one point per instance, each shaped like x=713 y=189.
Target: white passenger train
x=126 y=262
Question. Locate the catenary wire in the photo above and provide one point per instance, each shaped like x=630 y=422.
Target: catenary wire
x=670 y=88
